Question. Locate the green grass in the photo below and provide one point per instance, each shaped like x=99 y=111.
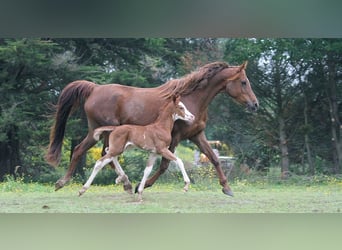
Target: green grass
x=259 y=197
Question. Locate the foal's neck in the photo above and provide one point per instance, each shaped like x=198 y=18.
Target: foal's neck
x=165 y=118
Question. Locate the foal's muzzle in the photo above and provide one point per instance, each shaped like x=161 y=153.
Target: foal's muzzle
x=190 y=118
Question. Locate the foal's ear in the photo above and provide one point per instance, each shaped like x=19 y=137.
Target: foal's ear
x=243 y=66
x=176 y=98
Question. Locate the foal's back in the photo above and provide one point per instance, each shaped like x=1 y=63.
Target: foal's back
x=149 y=137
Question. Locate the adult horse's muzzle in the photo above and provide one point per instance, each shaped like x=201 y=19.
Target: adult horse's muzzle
x=253 y=106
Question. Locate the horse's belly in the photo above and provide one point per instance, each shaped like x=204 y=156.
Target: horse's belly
x=131 y=145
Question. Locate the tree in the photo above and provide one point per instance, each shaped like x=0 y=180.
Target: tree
x=296 y=81
x=326 y=66
x=272 y=75
x=25 y=78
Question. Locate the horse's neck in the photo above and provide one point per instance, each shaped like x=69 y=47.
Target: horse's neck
x=165 y=119
x=203 y=97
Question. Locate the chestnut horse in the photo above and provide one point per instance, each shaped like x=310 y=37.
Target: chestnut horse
x=116 y=104
x=155 y=138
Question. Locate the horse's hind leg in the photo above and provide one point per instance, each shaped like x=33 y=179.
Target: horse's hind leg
x=79 y=150
x=98 y=166
x=122 y=176
x=127 y=184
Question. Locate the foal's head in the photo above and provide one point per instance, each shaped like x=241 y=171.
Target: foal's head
x=239 y=88
x=180 y=111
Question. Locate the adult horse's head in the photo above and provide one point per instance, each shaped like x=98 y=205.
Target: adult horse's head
x=239 y=87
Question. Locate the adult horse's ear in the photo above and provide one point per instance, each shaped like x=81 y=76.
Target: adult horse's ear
x=243 y=66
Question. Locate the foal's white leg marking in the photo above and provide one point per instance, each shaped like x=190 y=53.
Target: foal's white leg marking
x=118 y=169
x=186 y=178
x=151 y=159
x=98 y=166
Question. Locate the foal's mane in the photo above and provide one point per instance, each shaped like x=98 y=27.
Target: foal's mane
x=195 y=80
x=169 y=99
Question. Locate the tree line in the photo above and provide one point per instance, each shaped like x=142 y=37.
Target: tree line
x=297 y=82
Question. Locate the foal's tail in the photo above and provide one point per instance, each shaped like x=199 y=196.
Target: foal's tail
x=70 y=98
x=98 y=132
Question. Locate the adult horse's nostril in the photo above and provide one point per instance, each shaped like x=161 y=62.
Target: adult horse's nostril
x=253 y=106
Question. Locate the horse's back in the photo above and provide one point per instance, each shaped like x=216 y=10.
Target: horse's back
x=115 y=104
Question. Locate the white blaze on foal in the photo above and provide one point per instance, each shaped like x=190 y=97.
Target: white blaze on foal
x=155 y=138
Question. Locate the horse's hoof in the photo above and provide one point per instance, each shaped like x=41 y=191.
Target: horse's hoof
x=137 y=186
x=186 y=187
x=117 y=181
x=128 y=188
x=227 y=192
x=58 y=185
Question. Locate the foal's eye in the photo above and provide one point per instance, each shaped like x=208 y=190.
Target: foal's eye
x=244 y=83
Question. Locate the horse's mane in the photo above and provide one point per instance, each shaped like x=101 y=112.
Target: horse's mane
x=195 y=80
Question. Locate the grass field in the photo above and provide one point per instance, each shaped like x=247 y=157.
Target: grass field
x=19 y=197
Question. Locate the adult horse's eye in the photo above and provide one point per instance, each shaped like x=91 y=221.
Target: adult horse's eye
x=244 y=83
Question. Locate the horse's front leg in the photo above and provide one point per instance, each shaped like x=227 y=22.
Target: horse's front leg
x=167 y=154
x=186 y=178
x=201 y=141
x=151 y=159
x=162 y=168
x=98 y=166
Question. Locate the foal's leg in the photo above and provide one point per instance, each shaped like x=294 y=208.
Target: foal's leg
x=162 y=167
x=201 y=141
x=151 y=159
x=79 y=150
x=167 y=154
x=127 y=184
x=186 y=178
x=119 y=171
x=122 y=176
x=98 y=166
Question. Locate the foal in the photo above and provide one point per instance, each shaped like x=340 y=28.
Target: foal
x=155 y=138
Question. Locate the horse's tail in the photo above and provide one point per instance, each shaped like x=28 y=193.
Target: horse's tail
x=98 y=132
x=70 y=98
